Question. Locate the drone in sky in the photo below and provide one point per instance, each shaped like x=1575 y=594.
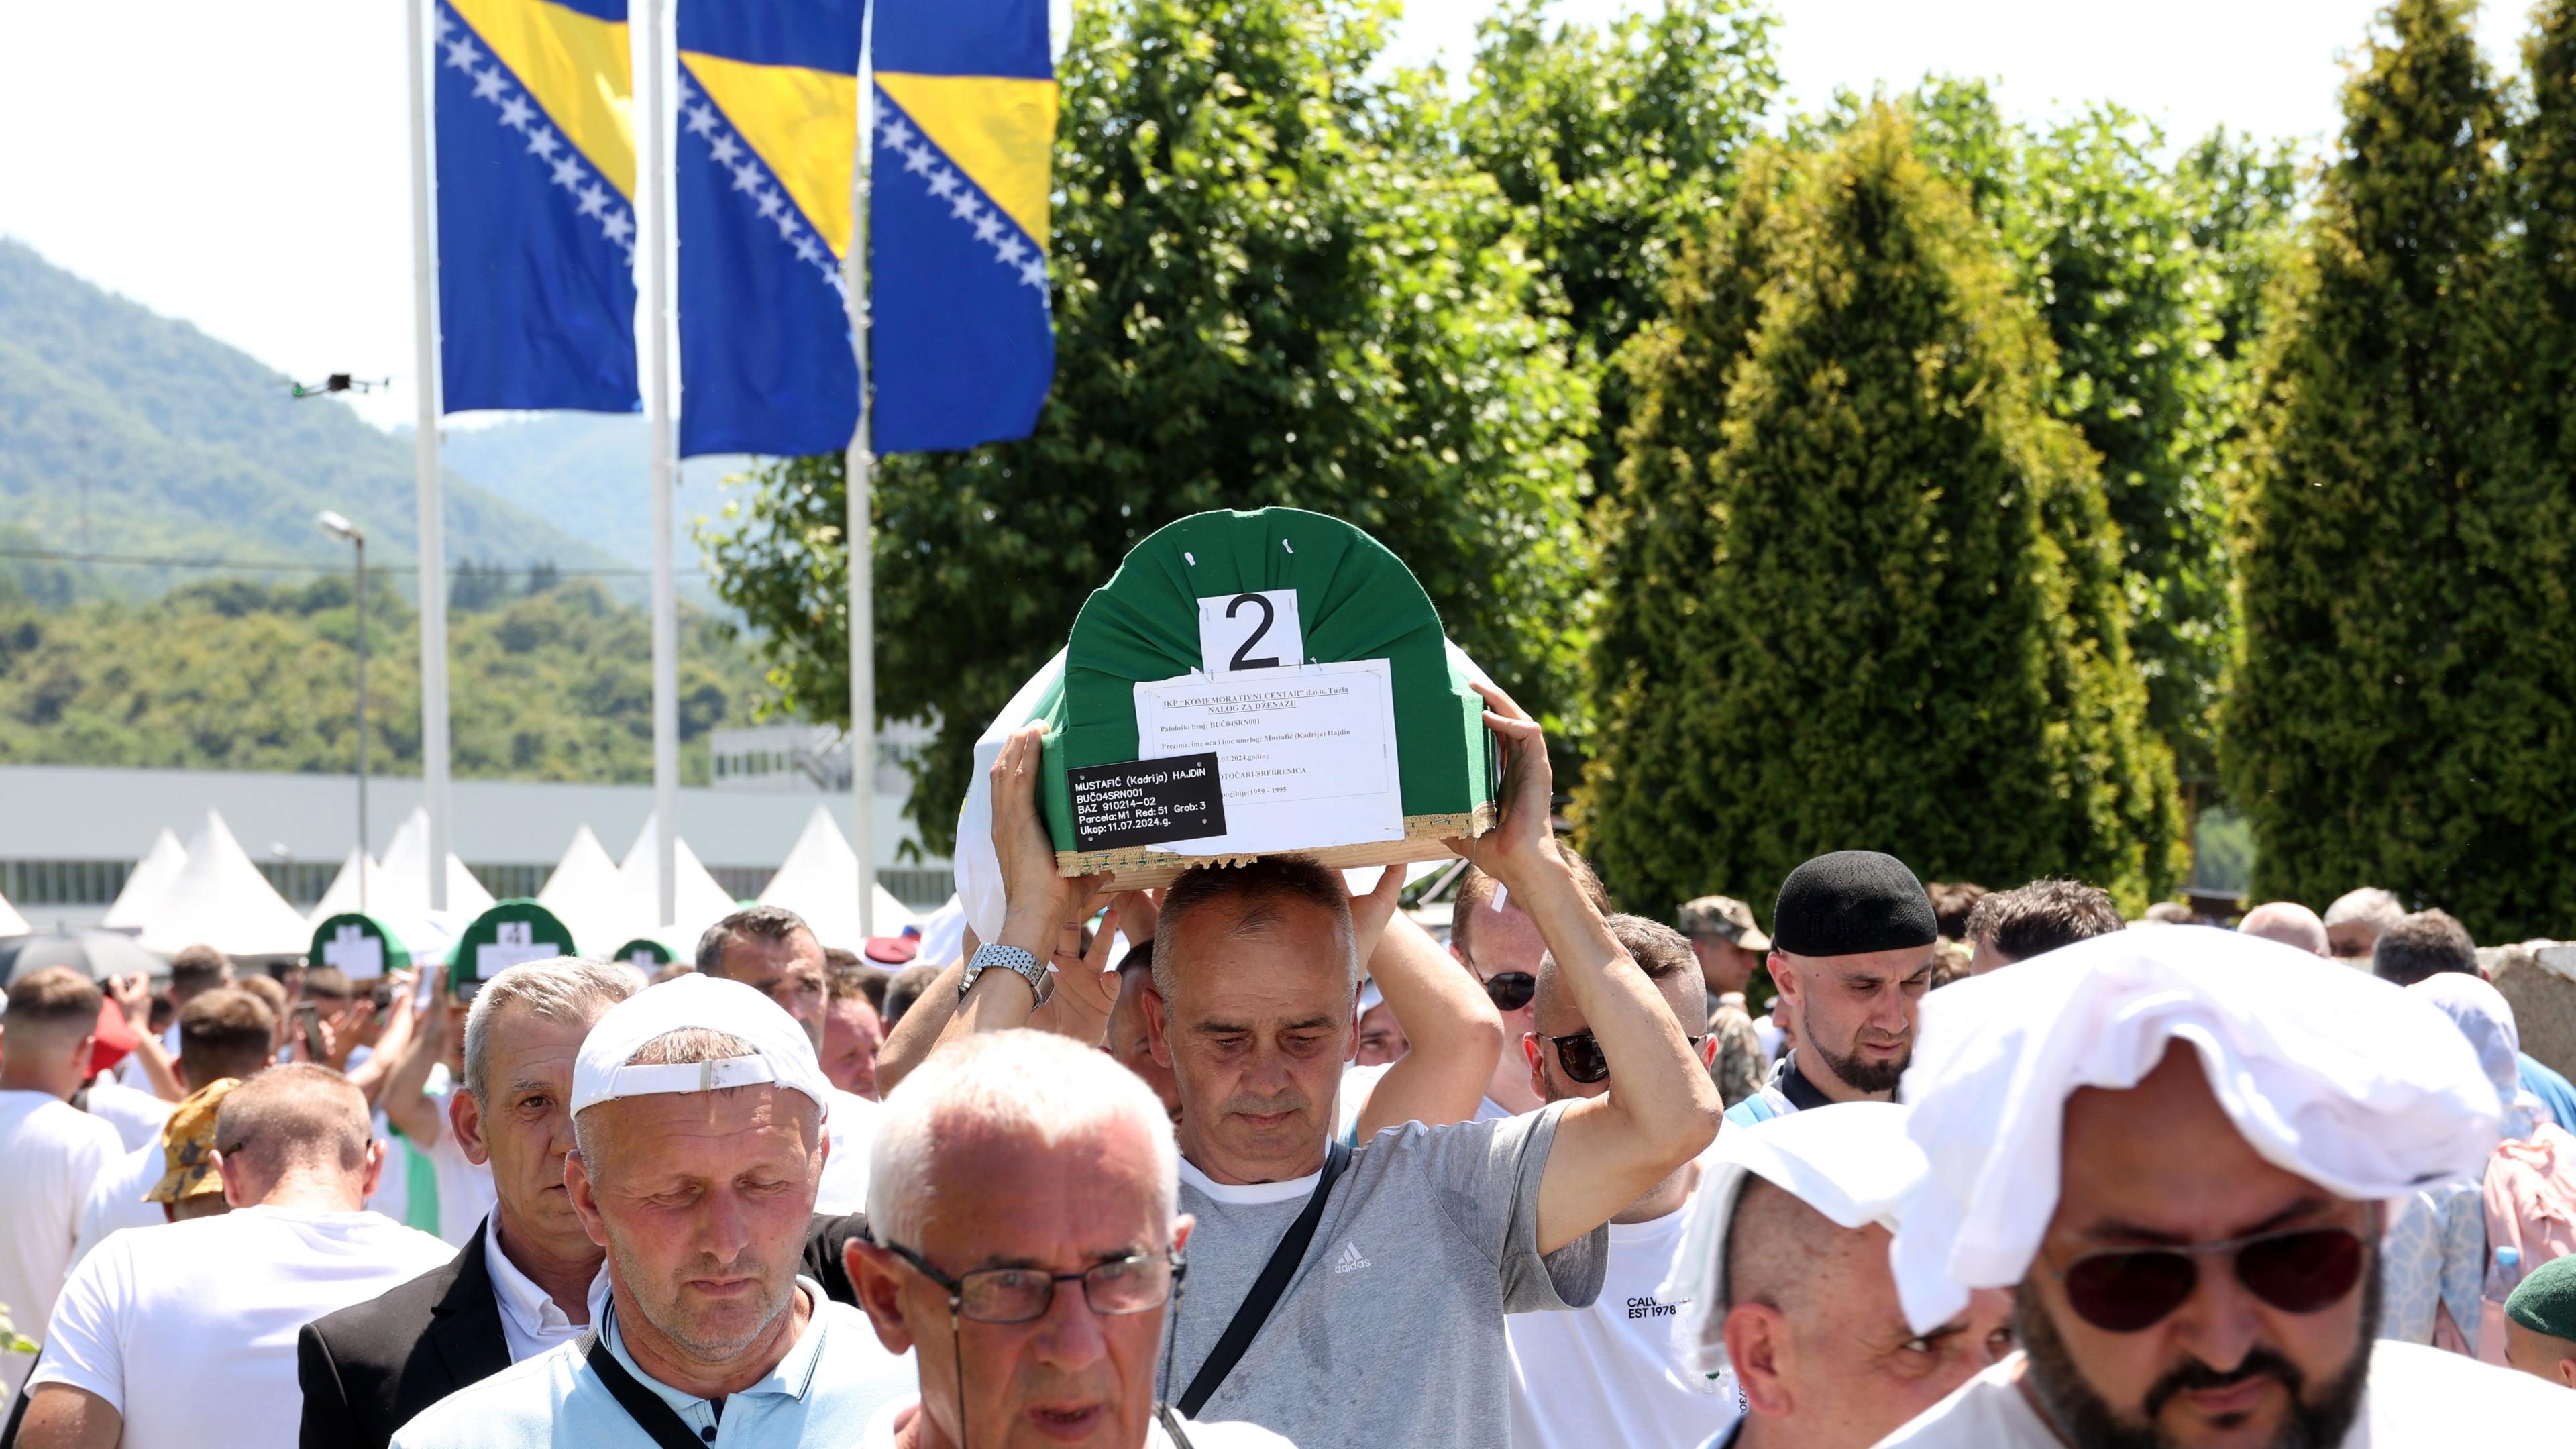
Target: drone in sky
x=337 y=382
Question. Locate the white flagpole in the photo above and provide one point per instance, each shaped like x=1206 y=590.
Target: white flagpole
x=432 y=521
x=859 y=525
x=657 y=420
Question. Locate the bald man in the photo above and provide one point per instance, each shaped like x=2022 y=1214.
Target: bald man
x=1818 y=1341
x=161 y=1327
x=2289 y=923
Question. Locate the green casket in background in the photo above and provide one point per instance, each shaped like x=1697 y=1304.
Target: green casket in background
x=1356 y=600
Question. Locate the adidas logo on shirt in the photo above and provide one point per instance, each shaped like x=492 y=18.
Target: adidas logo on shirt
x=1351 y=1260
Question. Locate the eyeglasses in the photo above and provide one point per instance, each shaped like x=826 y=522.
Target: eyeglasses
x=1582 y=1057
x=1511 y=990
x=1139 y=1283
x=2125 y=1290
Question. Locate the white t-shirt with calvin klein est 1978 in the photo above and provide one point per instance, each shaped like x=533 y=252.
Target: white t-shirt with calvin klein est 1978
x=1610 y=1373
x=188 y=1329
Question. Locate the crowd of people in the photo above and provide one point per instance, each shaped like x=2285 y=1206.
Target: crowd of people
x=1257 y=1160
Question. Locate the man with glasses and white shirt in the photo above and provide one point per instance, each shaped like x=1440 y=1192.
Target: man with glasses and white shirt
x=2175 y=1145
x=1611 y=1373
x=1027 y=1247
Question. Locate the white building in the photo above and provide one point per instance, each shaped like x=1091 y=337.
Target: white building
x=69 y=835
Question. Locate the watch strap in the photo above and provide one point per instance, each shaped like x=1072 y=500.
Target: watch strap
x=993 y=955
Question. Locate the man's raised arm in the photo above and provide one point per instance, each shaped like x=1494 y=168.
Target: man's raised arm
x=1451 y=1022
x=1663 y=1109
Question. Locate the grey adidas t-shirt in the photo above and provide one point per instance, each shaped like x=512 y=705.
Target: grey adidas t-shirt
x=1391 y=1332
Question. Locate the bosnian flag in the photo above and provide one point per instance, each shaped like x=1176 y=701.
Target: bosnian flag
x=536 y=205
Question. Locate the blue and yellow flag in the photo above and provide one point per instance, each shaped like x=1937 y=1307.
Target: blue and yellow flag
x=536 y=205
x=769 y=94
x=963 y=346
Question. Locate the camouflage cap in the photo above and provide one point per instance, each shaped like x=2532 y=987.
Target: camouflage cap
x=188 y=1146
x=1724 y=917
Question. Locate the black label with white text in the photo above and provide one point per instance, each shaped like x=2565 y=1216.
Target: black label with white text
x=1146 y=802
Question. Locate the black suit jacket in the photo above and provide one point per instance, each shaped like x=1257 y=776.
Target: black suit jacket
x=368 y=1369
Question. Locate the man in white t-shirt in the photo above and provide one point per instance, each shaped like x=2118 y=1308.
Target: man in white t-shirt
x=50 y=1151
x=1024 y=1184
x=184 y=1335
x=771 y=950
x=1609 y=1373
x=1500 y=946
x=1391 y=1328
x=2176 y=1146
x=222 y=1033
x=420 y=1101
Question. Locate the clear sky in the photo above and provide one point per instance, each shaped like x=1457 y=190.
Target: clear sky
x=242 y=164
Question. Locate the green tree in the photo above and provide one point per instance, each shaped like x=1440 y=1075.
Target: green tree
x=2400 y=712
x=1273 y=284
x=1909 y=633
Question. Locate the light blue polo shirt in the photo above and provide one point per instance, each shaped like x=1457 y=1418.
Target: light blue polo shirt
x=823 y=1393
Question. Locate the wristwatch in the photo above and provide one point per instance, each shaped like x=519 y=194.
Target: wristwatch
x=995 y=956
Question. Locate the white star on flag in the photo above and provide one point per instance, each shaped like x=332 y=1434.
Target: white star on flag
x=542 y=143
x=770 y=202
x=617 y=226
x=1033 y=274
x=688 y=92
x=919 y=159
x=895 y=135
x=944 y=184
x=727 y=148
x=988 y=228
x=461 y=53
x=807 y=251
x=594 y=200
x=488 y=84
x=702 y=121
x=516 y=113
x=787 y=225
x=567 y=171
x=446 y=23
x=746 y=177
x=965 y=207
x=1010 y=251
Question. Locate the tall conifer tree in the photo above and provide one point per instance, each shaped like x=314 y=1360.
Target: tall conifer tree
x=1866 y=591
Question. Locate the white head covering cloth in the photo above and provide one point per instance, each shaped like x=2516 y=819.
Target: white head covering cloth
x=781 y=1052
x=1850 y=1161
x=2339 y=1077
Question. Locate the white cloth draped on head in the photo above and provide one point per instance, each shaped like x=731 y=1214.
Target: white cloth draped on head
x=1850 y=1161
x=2344 y=1079
x=2486 y=1019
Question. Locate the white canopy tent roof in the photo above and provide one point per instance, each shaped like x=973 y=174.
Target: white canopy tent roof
x=343 y=893
x=407 y=875
x=587 y=895
x=819 y=882
x=697 y=904
x=146 y=884
x=403 y=908
x=220 y=899
x=11 y=923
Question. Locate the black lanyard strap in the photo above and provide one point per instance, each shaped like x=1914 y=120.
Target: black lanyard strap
x=650 y=1411
x=1264 y=1297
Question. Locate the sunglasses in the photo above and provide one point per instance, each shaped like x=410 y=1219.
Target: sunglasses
x=1582 y=1057
x=2126 y=1290
x=1511 y=990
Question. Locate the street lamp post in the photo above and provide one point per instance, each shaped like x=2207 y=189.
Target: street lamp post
x=339 y=527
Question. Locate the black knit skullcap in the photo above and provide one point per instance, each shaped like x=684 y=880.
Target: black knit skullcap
x=1851 y=902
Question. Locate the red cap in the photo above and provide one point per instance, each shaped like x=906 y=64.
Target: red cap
x=891 y=950
x=115 y=1037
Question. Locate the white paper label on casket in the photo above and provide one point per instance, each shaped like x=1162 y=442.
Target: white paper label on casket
x=1240 y=632
x=1307 y=755
x=513 y=943
x=354 y=953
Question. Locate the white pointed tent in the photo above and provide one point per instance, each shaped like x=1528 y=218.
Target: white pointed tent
x=11 y=923
x=699 y=901
x=406 y=872
x=587 y=895
x=819 y=882
x=146 y=884
x=343 y=893
x=220 y=899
